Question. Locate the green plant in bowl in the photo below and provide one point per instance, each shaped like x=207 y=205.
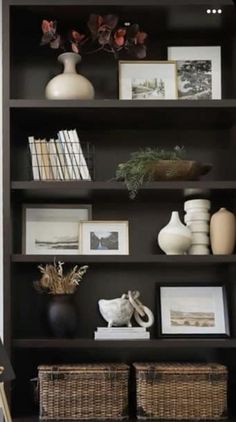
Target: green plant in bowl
x=150 y=164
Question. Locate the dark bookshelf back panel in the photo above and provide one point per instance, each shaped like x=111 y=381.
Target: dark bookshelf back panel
x=102 y=283
x=32 y=66
x=184 y=115
x=114 y=145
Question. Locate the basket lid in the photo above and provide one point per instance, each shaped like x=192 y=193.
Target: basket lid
x=84 y=367
x=181 y=368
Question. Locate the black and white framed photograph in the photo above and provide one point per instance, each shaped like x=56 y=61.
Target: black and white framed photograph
x=104 y=237
x=147 y=80
x=198 y=72
x=53 y=229
x=193 y=310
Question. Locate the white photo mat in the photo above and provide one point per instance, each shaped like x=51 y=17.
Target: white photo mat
x=147 y=80
x=104 y=237
x=53 y=230
x=193 y=310
x=205 y=54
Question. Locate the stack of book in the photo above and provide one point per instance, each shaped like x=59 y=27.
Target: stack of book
x=58 y=159
x=121 y=333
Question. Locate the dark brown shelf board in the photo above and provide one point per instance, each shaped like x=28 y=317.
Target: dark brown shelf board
x=91 y=190
x=131 y=419
x=36 y=419
x=114 y=344
x=130 y=259
x=114 y=113
x=121 y=2
x=124 y=104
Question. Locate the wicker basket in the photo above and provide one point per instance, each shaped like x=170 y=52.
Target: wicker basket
x=177 y=169
x=181 y=391
x=93 y=391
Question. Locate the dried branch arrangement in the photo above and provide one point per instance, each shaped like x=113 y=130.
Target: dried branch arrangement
x=54 y=281
x=104 y=33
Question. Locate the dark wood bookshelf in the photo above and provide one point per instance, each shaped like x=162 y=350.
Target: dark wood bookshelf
x=116 y=128
x=207 y=3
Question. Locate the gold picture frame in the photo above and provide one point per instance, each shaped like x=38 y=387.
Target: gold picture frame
x=148 y=80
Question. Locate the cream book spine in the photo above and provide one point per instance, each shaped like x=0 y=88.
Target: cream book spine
x=46 y=160
x=75 y=165
x=84 y=171
x=37 y=143
x=61 y=157
x=34 y=158
x=53 y=160
x=67 y=157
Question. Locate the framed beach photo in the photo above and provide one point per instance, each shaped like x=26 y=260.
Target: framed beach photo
x=198 y=72
x=104 y=237
x=147 y=80
x=193 y=310
x=53 y=229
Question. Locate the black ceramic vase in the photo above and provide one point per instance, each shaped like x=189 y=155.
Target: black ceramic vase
x=62 y=315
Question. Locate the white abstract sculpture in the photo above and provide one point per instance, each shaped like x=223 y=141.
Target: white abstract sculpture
x=118 y=312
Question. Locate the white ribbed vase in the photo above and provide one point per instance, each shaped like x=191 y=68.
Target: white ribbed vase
x=175 y=238
x=69 y=85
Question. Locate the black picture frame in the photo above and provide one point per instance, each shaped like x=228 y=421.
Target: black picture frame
x=162 y=310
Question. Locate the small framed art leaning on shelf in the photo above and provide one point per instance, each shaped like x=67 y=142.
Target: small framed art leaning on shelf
x=147 y=80
x=198 y=72
x=104 y=237
x=53 y=229
x=193 y=310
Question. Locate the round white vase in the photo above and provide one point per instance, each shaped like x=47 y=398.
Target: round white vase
x=69 y=85
x=175 y=238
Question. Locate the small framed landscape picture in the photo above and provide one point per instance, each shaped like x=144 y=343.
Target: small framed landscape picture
x=104 y=237
x=53 y=229
x=198 y=72
x=147 y=80
x=193 y=310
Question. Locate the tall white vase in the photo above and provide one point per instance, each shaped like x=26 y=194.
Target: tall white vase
x=175 y=238
x=69 y=85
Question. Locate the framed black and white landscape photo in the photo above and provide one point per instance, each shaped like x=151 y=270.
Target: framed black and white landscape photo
x=147 y=80
x=104 y=237
x=198 y=72
x=53 y=229
x=193 y=310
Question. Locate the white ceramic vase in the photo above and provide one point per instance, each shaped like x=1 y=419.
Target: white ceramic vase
x=69 y=85
x=175 y=238
x=222 y=232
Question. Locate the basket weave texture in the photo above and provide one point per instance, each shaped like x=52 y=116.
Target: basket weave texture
x=181 y=391
x=83 y=391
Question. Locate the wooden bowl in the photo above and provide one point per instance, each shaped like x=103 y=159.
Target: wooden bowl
x=177 y=169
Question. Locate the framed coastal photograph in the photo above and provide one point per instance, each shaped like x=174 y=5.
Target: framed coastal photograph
x=147 y=80
x=104 y=237
x=193 y=310
x=198 y=72
x=53 y=229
